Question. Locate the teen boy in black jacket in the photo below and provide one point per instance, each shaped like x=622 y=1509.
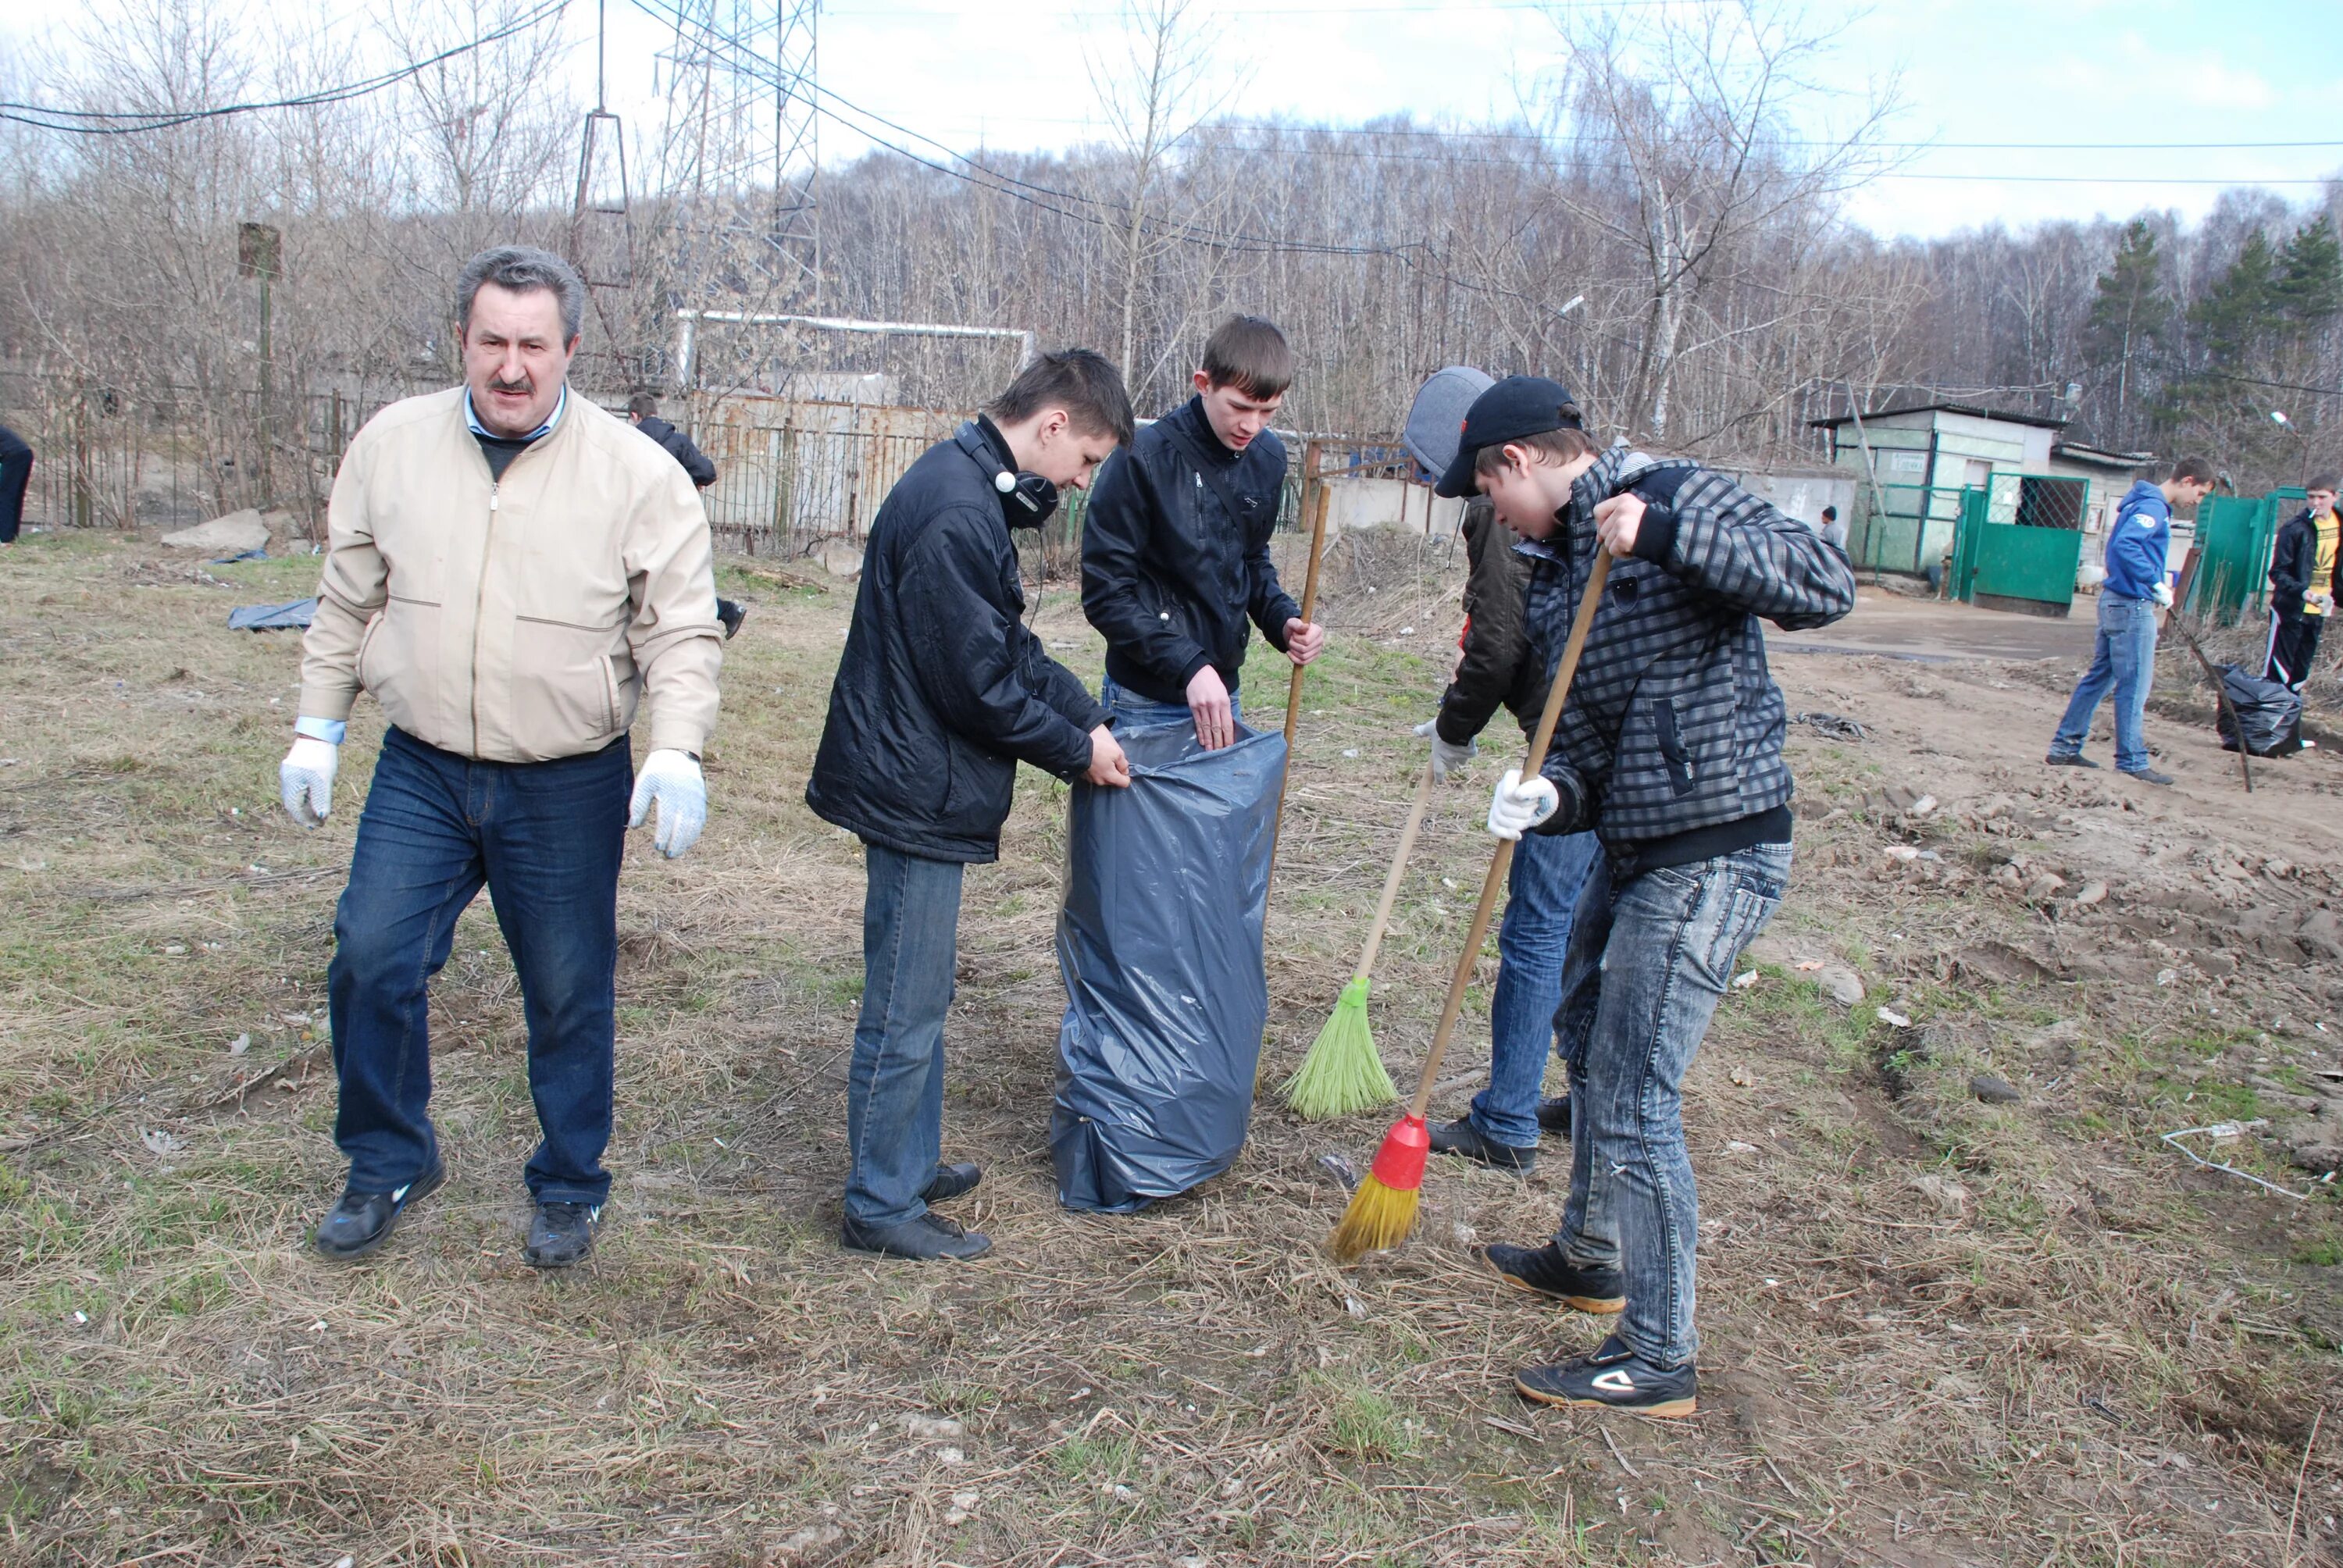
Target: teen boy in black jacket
x=1175 y=544
x=2306 y=578
x=942 y=692
x=1670 y=748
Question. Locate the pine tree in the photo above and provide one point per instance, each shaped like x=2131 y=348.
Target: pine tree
x=2238 y=315
x=2310 y=283
x=2130 y=315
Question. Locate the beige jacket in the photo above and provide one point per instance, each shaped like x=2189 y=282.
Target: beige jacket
x=520 y=621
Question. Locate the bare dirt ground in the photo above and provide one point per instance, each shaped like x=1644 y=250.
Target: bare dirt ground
x=1936 y=1330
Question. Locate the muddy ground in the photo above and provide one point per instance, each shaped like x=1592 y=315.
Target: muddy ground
x=1939 y=1328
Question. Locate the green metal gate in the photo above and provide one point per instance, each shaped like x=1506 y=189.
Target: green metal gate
x=2016 y=565
x=2234 y=535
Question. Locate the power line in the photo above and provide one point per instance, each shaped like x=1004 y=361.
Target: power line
x=99 y=122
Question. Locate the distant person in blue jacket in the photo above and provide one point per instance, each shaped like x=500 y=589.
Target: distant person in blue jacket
x=2123 y=658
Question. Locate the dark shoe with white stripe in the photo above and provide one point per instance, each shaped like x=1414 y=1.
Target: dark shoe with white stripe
x=1614 y=1378
x=561 y=1234
x=950 y=1180
x=1460 y=1137
x=1546 y=1270
x=362 y=1222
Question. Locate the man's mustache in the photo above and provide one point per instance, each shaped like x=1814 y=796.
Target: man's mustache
x=525 y=386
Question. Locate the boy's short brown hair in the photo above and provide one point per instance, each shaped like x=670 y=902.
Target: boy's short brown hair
x=1554 y=447
x=2323 y=482
x=2193 y=470
x=1251 y=355
x=1078 y=380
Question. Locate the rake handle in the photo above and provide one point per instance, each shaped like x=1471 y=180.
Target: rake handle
x=1398 y=872
x=1502 y=861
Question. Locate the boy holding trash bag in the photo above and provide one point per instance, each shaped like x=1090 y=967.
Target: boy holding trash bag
x=1670 y=750
x=1175 y=544
x=942 y=692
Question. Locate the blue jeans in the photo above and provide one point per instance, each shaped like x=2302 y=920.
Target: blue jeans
x=546 y=838
x=2123 y=658
x=1140 y=712
x=1541 y=898
x=1648 y=961
x=895 y=1087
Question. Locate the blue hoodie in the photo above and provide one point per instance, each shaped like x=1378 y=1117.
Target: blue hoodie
x=2137 y=542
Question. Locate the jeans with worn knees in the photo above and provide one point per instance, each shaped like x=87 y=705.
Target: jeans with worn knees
x=546 y=838
x=1541 y=896
x=1141 y=713
x=1648 y=961
x=895 y=1088
x=2123 y=660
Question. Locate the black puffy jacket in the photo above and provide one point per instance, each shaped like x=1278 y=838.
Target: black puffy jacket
x=943 y=690
x=2294 y=562
x=1168 y=576
x=1496 y=669
x=696 y=463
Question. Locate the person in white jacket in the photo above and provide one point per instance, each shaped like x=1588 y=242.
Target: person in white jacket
x=510 y=570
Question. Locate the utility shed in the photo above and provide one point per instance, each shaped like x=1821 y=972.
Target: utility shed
x=1923 y=456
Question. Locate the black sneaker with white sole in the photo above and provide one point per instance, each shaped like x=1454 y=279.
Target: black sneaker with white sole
x=1614 y=1378
x=1546 y=1270
x=362 y=1222
x=561 y=1234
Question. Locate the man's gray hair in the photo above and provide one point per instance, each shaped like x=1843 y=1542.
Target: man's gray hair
x=520 y=268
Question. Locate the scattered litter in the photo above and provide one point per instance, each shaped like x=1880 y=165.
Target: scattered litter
x=1738 y=1147
x=927 y=1428
x=1894 y=1019
x=1807 y=966
x=1904 y=852
x=951 y=1456
x=1407 y=632
x=241 y=556
x=318 y=1327
x=289 y=616
x=81 y=1317
x=1832 y=726
x=1341 y=1169
x=2165 y=977
x=175 y=948
x=1353 y=751
x=2228 y=1132
x=239 y=1045
x=2092 y=893
x=1922 y=807
x=1744 y=980
x=159 y=1142
x=1062 y=647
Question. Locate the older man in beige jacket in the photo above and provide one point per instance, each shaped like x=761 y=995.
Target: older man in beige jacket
x=510 y=570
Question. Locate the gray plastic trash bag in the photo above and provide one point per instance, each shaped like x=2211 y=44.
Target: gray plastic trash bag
x=1160 y=941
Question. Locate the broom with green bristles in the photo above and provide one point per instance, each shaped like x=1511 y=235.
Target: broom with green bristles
x=1382 y=1208
x=1343 y=1073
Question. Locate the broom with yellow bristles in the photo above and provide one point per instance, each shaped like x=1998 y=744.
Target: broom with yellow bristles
x=1343 y=1073
x=1384 y=1207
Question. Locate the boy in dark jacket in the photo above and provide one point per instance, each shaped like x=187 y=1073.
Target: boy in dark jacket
x=2306 y=578
x=942 y=692
x=1175 y=544
x=1670 y=750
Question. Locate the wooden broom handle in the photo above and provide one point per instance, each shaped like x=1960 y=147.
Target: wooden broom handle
x=1503 y=860
x=1398 y=872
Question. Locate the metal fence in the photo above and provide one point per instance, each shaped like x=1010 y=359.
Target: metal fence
x=791 y=474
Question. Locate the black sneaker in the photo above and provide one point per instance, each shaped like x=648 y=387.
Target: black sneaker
x=362 y=1222
x=561 y=1234
x=1546 y=1270
x=927 y=1237
x=951 y=1181
x=1553 y=1115
x=1460 y=1137
x=1614 y=1378
x=2148 y=776
x=731 y=613
x=2059 y=760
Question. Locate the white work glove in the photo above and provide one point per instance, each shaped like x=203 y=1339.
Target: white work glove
x=2162 y=595
x=305 y=779
x=672 y=779
x=1446 y=759
x=1518 y=806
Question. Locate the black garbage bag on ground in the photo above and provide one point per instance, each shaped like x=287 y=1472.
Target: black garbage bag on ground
x=2270 y=715
x=1160 y=941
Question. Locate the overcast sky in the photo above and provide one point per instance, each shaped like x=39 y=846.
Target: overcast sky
x=1012 y=74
